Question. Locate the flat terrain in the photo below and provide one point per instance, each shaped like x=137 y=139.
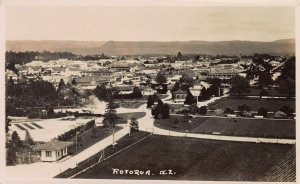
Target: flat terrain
x=196 y=159
x=46 y=129
x=129 y=115
x=272 y=105
x=233 y=127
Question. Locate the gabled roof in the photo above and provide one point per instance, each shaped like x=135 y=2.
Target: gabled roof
x=53 y=145
x=180 y=91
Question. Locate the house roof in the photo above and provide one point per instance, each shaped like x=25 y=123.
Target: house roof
x=54 y=145
x=88 y=79
x=180 y=91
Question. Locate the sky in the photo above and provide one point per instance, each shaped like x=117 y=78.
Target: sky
x=148 y=23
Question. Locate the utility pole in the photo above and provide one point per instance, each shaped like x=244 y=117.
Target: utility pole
x=113 y=143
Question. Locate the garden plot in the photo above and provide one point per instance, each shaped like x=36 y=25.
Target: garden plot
x=45 y=130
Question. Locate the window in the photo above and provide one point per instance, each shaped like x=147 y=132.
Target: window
x=48 y=153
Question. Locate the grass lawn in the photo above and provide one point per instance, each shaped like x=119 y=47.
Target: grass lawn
x=87 y=139
x=256 y=92
x=126 y=116
x=272 y=105
x=226 y=126
x=196 y=159
x=182 y=126
x=132 y=105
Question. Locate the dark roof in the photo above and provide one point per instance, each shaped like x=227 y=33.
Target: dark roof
x=53 y=145
x=180 y=91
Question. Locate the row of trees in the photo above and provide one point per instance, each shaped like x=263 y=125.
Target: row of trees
x=15 y=145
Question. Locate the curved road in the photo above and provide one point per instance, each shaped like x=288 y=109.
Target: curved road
x=146 y=123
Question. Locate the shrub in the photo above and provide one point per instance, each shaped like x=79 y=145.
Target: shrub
x=287 y=110
x=193 y=109
x=243 y=108
x=280 y=114
x=246 y=114
x=228 y=110
x=202 y=110
x=219 y=112
x=262 y=111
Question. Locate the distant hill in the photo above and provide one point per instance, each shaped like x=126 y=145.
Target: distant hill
x=282 y=47
x=76 y=47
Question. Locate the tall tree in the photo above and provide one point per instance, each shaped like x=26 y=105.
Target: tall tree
x=61 y=85
x=160 y=78
x=110 y=116
x=28 y=139
x=239 y=85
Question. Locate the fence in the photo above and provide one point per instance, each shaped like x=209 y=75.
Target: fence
x=27 y=158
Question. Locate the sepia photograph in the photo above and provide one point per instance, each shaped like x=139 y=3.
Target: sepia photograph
x=140 y=92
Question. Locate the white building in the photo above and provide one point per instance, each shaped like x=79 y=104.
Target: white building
x=53 y=150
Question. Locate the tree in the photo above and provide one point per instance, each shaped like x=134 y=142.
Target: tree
x=150 y=101
x=243 y=108
x=263 y=93
x=203 y=110
x=193 y=109
x=265 y=79
x=50 y=112
x=189 y=99
x=214 y=89
x=16 y=140
x=110 y=116
x=239 y=85
x=10 y=153
x=61 y=85
x=74 y=82
x=287 y=110
x=175 y=87
x=160 y=78
x=28 y=140
x=228 y=110
x=101 y=92
x=165 y=111
x=179 y=55
x=262 y=111
x=288 y=69
x=136 y=93
x=187 y=80
x=287 y=86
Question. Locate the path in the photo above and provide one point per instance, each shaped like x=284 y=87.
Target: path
x=49 y=170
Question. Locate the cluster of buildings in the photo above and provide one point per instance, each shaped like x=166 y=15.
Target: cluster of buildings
x=126 y=74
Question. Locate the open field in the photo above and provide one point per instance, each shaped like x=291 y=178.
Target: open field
x=256 y=92
x=132 y=105
x=45 y=130
x=272 y=105
x=233 y=127
x=196 y=159
x=129 y=115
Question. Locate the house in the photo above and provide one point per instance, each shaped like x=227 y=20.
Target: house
x=53 y=150
x=222 y=73
x=179 y=95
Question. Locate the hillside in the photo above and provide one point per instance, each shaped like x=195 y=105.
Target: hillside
x=282 y=47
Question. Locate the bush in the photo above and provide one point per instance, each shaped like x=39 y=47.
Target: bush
x=263 y=112
x=219 y=112
x=280 y=114
x=228 y=110
x=193 y=109
x=202 y=110
x=243 y=108
x=246 y=114
x=287 y=110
